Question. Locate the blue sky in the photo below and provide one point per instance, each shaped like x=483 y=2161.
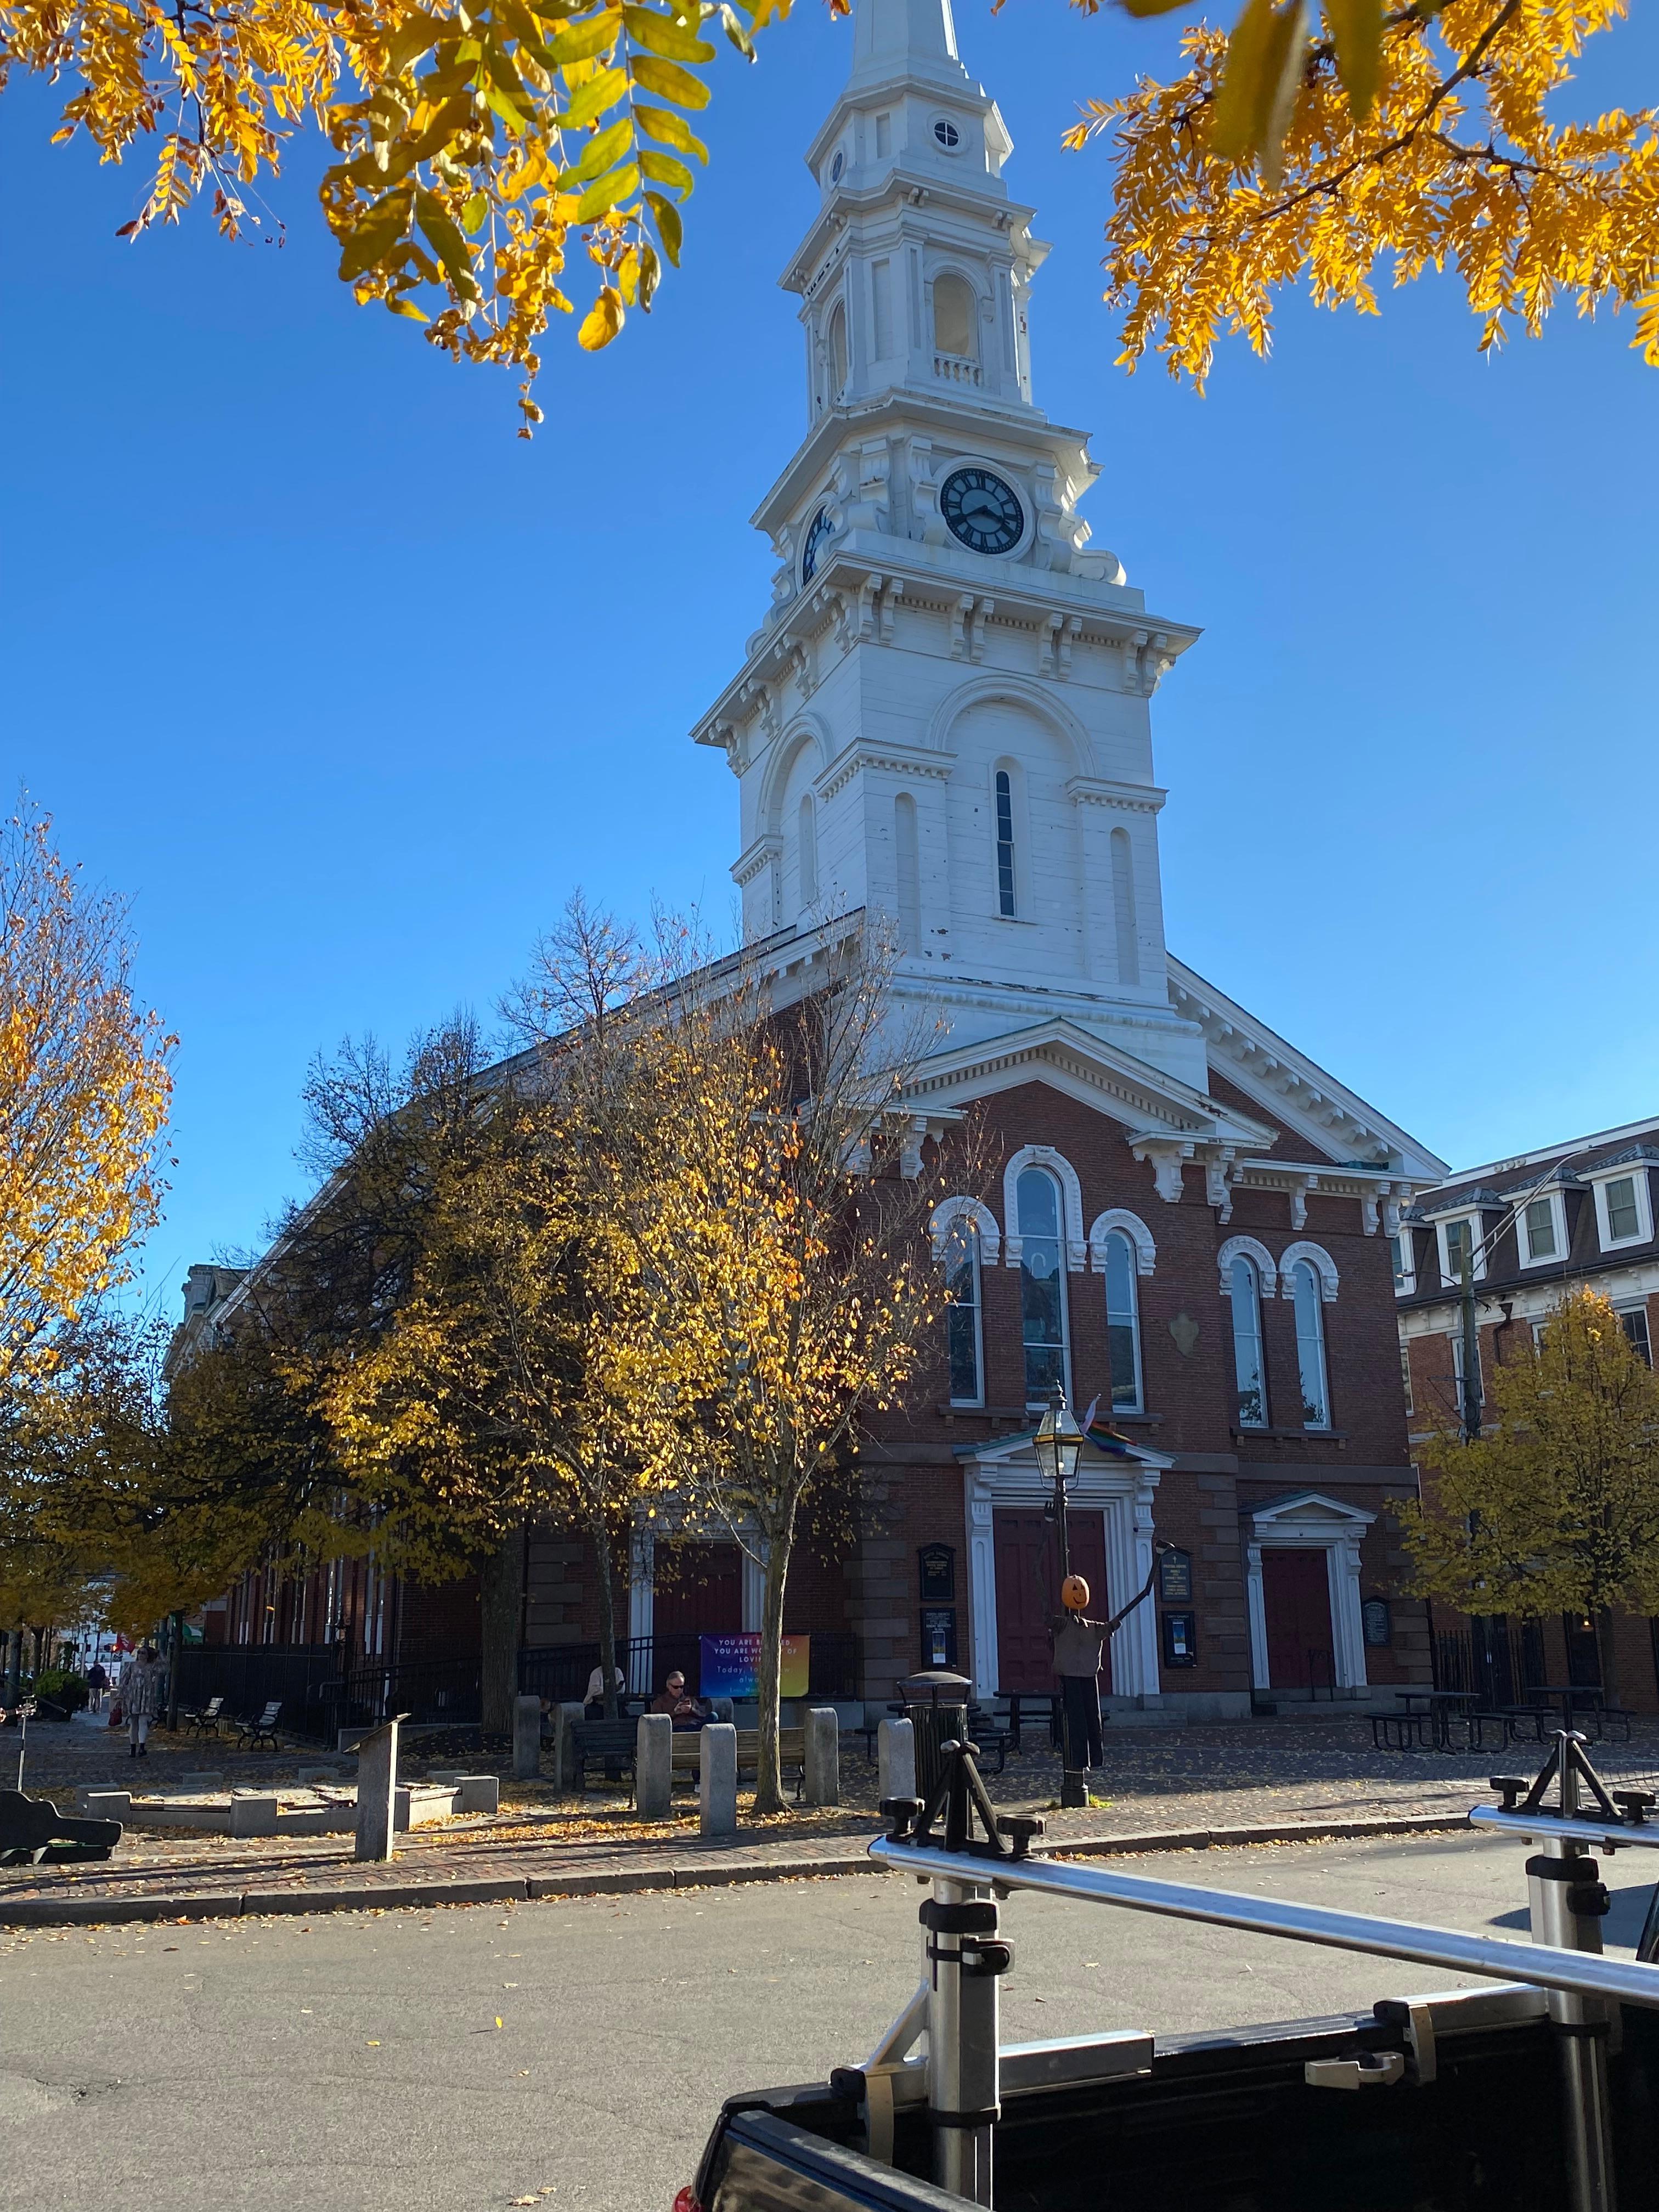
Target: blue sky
x=347 y=687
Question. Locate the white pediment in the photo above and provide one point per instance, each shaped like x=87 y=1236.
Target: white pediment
x=1307 y=1507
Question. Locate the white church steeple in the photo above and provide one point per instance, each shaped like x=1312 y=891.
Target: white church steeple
x=944 y=717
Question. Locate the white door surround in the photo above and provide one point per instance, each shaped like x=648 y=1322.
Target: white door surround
x=1121 y=1487
x=1306 y=1521
x=642 y=1572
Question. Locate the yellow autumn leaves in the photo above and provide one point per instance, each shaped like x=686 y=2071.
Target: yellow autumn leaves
x=1373 y=143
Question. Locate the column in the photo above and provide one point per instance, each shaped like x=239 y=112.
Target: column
x=982 y=1585
x=1256 y=1606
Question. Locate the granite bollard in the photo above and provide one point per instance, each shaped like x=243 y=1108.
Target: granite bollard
x=564 y=1757
x=896 y=1759
x=653 y=1767
x=822 y=1785
x=377 y=1790
x=526 y=1738
x=717 y=1779
x=105 y=1804
x=478 y=1793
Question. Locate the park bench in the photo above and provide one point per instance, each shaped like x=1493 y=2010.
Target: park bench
x=33 y=1832
x=792 y=1754
x=251 y=1734
x=607 y=1744
x=205 y=1720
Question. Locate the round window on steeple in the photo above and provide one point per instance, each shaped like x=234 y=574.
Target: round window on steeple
x=947 y=134
x=837 y=166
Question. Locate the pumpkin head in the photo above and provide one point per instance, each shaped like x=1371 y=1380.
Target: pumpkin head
x=1074 y=1593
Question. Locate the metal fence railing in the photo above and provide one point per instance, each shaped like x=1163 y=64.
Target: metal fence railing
x=1500 y=1663
x=560 y=1673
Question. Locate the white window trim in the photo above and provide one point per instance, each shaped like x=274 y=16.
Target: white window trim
x=1477 y=1235
x=1119 y=1217
x=1044 y=1156
x=1136 y=1270
x=950 y=1211
x=1324 y=1265
x=1407 y=1287
x=1266 y=1267
x=1558 y=1221
x=976 y=1257
x=1636 y=1170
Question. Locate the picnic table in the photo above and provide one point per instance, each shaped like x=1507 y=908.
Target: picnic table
x=1585 y=1698
x=1049 y=1698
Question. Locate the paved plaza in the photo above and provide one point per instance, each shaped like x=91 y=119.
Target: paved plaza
x=451 y=2060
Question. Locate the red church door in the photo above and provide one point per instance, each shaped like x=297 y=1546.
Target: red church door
x=1028 y=1594
x=696 y=1589
x=1295 y=1596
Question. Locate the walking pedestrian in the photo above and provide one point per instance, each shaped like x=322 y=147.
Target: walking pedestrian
x=142 y=1681
x=97 y=1685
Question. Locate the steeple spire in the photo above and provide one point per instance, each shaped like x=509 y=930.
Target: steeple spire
x=894 y=40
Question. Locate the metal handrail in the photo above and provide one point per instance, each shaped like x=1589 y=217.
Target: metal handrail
x=1604 y=1835
x=1580 y=1972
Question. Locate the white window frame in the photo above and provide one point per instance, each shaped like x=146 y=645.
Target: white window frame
x=1625 y=1306
x=1406 y=1285
x=1405 y=1378
x=1131 y=1262
x=1477 y=1235
x=1637 y=1172
x=1558 y=1221
x=1311 y=1345
x=965 y=1232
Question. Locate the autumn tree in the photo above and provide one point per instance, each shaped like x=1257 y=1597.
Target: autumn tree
x=781 y=1225
x=1555 y=1508
x=501 y=163
x=84 y=1089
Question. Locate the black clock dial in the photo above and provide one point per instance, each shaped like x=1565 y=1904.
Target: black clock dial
x=818 y=530
x=982 y=510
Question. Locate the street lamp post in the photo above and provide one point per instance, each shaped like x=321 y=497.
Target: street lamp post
x=1058 y=1445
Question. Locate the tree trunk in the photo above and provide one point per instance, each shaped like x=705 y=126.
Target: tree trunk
x=1605 y=1648
x=769 y=1792
x=501 y=1599
x=599 y=1529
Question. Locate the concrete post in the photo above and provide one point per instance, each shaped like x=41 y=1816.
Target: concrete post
x=251 y=1816
x=896 y=1759
x=717 y=1761
x=823 y=1755
x=564 y=1746
x=479 y=1793
x=377 y=1790
x=526 y=1738
x=653 y=1767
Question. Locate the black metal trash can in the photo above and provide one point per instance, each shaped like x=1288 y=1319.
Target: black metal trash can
x=936 y=1705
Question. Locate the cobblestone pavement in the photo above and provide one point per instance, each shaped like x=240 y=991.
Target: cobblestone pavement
x=1235 y=1782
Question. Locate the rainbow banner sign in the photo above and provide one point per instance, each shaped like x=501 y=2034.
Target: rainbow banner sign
x=731 y=1664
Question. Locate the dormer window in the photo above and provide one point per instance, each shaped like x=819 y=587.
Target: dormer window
x=947 y=135
x=1458 y=1242
x=1623 y=1214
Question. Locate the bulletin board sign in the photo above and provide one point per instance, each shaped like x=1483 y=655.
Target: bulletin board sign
x=731 y=1666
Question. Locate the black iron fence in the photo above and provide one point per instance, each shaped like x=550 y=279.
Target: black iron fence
x=1500 y=1661
x=561 y=1672
x=321 y=1690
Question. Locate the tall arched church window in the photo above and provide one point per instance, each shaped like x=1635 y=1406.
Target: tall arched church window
x=1250 y=1367
x=807 y=841
x=963 y=1333
x=1042 y=1283
x=908 y=862
x=1122 y=1324
x=838 y=350
x=1005 y=799
x=953 y=316
x=1307 y=1294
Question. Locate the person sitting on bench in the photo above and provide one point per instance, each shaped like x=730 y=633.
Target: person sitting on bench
x=594 y=1703
x=685 y=1711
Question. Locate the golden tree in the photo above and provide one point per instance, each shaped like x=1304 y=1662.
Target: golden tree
x=1556 y=1507
x=84 y=1088
x=780 y=1215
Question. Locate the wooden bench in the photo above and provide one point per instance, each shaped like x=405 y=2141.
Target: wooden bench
x=606 y=1744
x=205 y=1721
x=686 y=1758
x=32 y=1831
x=254 y=1733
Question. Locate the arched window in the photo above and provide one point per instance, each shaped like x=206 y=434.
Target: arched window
x=908 y=863
x=1250 y=1369
x=962 y=1314
x=837 y=351
x=1042 y=1283
x=1307 y=1295
x=953 y=316
x=808 y=846
x=1122 y=1324
x=1004 y=798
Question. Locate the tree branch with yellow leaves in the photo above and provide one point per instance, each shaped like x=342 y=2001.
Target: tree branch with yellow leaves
x=1409 y=141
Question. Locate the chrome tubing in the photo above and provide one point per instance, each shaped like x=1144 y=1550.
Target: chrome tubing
x=963 y=2033
x=1601 y=1835
x=1541 y=1965
x=1566 y=1900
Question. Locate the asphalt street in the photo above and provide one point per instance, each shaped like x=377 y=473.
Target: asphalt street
x=453 y=2060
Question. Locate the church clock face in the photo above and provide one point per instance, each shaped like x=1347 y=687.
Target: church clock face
x=982 y=510
x=816 y=532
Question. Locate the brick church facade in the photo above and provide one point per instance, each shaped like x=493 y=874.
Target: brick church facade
x=942 y=730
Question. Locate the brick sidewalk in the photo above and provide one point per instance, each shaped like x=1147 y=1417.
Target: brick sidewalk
x=1174 y=1789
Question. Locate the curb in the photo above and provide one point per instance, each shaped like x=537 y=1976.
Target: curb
x=71 y=1911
